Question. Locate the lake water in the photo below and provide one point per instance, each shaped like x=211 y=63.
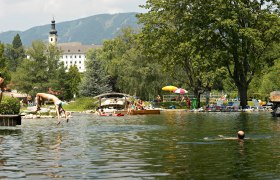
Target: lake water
x=172 y=145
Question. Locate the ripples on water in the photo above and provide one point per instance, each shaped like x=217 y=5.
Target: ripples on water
x=171 y=145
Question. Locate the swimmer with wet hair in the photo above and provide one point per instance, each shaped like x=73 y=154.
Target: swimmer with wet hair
x=240 y=134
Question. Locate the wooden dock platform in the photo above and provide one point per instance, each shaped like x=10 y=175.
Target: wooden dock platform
x=10 y=120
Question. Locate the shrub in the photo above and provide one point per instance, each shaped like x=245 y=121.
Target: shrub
x=9 y=105
x=81 y=104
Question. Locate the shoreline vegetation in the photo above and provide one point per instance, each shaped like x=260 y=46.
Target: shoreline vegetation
x=87 y=105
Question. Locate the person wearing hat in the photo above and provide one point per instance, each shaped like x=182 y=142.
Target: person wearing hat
x=1 y=87
x=57 y=102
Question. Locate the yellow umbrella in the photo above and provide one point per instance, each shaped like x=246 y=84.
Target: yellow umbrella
x=169 y=88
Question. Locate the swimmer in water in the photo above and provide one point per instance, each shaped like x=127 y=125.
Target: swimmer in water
x=240 y=136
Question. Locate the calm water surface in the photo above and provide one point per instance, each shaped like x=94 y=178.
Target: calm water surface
x=173 y=145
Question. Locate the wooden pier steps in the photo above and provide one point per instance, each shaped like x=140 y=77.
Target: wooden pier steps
x=10 y=120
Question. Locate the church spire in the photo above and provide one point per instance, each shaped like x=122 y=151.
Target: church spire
x=53 y=33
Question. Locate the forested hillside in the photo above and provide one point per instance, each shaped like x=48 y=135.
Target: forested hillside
x=89 y=30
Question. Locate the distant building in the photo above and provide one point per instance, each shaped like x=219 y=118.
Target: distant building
x=53 y=34
x=73 y=53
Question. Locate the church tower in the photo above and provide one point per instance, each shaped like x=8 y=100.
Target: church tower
x=53 y=34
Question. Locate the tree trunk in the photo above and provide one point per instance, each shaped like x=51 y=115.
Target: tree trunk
x=197 y=96
x=242 y=90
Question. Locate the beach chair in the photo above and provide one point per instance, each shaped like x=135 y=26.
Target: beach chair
x=229 y=105
x=233 y=105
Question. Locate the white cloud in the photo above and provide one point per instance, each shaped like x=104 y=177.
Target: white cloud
x=24 y=14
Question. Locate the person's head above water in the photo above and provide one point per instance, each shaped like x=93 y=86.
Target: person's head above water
x=240 y=134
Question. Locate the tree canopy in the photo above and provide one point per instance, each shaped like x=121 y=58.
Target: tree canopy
x=95 y=81
x=40 y=71
x=204 y=36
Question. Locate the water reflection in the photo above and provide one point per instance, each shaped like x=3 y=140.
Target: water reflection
x=170 y=145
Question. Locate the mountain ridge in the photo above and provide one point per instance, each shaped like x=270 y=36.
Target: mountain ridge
x=88 y=30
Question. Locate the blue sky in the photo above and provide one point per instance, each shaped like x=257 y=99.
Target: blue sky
x=24 y=14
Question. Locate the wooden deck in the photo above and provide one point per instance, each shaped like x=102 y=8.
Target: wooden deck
x=146 y=111
x=10 y=120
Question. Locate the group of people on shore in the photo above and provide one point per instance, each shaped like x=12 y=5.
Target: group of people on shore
x=135 y=105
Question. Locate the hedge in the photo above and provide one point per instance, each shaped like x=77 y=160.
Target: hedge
x=9 y=105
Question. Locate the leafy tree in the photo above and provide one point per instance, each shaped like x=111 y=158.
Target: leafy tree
x=244 y=32
x=169 y=37
x=261 y=86
x=24 y=79
x=73 y=81
x=57 y=76
x=95 y=81
x=41 y=71
x=52 y=55
x=3 y=65
x=234 y=34
x=130 y=70
x=270 y=81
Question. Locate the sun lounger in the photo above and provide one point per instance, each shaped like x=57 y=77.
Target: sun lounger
x=234 y=106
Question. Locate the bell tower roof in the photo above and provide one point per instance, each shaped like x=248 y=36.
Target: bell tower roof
x=53 y=30
x=53 y=34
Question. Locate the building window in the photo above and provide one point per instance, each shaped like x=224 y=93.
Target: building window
x=75 y=57
x=79 y=50
x=70 y=56
x=80 y=62
x=80 y=56
x=66 y=57
x=68 y=50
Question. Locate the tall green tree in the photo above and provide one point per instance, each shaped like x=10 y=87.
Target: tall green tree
x=244 y=32
x=24 y=79
x=3 y=64
x=15 y=53
x=270 y=81
x=95 y=81
x=168 y=36
x=231 y=33
x=73 y=81
x=130 y=69
x=40 y=71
